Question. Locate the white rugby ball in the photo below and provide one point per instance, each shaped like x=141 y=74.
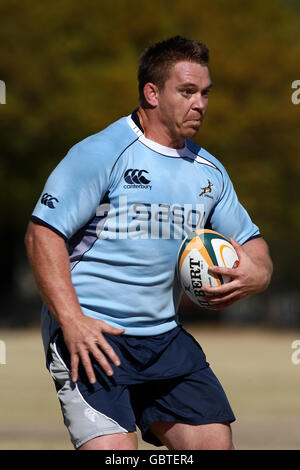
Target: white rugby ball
x=201 y=249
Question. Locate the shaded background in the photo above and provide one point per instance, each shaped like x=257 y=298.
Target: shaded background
x=70 y=70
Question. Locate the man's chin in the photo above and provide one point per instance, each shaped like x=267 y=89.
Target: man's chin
x=192 y=130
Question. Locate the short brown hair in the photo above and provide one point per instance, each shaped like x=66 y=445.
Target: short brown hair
x=156 y=61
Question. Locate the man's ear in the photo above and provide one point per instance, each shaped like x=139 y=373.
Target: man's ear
x=151 y=94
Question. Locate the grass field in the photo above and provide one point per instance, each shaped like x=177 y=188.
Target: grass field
x=254 y=366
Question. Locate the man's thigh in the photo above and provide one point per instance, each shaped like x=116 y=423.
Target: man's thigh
x=186 y=405
x=179 y=436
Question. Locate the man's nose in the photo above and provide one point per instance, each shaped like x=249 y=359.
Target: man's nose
x=200 y=102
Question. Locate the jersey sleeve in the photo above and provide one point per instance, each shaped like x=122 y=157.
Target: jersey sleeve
x=229 y=217
x=73 y=190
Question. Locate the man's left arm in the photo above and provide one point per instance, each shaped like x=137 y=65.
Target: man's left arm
x=253 y=275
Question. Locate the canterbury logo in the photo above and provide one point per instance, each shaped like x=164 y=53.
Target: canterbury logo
x=136 y=176
x=207 y=189
x=48 y=200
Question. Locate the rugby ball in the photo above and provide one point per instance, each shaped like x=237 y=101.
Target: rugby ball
x=201 y=249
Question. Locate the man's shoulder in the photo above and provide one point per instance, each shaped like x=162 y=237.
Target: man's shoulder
x=111 y=141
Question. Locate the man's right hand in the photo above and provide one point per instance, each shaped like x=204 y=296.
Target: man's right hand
x=84 y=336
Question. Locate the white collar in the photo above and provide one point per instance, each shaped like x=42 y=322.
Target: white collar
x=167 y=151
x=162 y=149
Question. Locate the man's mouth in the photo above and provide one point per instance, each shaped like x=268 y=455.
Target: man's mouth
x=198 y=119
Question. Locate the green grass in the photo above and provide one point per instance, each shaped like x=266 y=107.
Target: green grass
x=253 y=365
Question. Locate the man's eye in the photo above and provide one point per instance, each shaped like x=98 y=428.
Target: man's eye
x=186 y=92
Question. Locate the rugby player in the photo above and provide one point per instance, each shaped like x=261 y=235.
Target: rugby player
x=103 y=241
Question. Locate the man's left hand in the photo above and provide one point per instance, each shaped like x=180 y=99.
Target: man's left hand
x=251 y=276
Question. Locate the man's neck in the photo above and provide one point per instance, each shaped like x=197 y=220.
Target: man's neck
x=156 y=131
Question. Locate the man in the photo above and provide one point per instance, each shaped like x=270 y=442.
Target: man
x=103 y=242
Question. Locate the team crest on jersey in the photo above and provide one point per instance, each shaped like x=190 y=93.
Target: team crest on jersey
x=136 y=178
x=207 y=189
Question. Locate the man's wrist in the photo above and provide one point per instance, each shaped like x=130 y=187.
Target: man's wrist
x=68 y=318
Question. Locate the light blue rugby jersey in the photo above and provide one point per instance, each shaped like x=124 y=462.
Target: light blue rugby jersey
x=124 y=203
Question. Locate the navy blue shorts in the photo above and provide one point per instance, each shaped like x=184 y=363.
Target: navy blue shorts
x=161 y=378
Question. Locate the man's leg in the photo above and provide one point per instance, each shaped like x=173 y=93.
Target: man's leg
x=98 y=416
x=126 y=441
x=179 y=436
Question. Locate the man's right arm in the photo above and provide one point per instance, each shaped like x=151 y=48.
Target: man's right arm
x=83 y=335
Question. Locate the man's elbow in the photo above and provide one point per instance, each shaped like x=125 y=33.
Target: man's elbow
x=268 y=268
x=29 y=237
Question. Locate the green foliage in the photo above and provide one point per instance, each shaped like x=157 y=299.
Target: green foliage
x=70 y=69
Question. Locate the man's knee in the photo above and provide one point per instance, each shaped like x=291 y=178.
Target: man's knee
x=179 y=436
